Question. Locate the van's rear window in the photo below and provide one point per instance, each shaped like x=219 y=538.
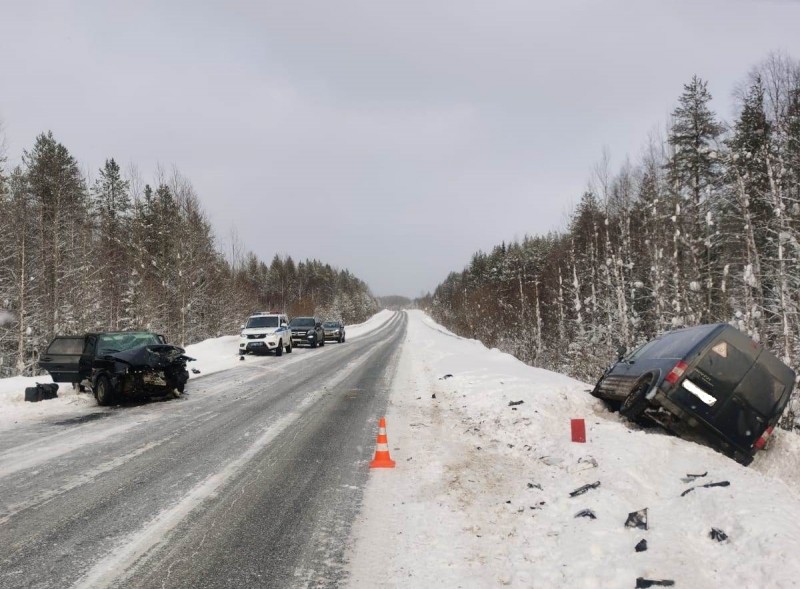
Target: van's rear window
x=675 y=344
x=761 y=389
x=66 y=345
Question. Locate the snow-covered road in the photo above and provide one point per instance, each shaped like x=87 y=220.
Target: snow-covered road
x=251 y=479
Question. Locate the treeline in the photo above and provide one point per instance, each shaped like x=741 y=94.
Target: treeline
x=395 y=302
x=116 y=253
x=703 y=227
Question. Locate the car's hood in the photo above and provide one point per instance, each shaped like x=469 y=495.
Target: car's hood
x=303 y=328
x=150 y=356
x=261 y=330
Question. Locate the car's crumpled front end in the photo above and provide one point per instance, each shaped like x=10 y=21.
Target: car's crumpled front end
x=146 y=370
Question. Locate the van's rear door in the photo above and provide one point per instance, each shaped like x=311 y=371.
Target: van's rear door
x=737 y=387
x=62 y=358
x=712 y=380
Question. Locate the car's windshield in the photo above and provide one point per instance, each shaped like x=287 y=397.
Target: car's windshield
x=330 y=324
x=267 y=321
x=302 y=322
x=109 y=343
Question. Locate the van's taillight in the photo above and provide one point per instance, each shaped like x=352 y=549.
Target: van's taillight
x=762 y=441
x=676 y=372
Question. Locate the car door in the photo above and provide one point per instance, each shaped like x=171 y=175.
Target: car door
x=63 y=358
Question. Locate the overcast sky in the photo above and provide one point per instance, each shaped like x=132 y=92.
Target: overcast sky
x=391 y=138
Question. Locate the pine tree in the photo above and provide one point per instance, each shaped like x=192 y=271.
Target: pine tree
x=694 y=173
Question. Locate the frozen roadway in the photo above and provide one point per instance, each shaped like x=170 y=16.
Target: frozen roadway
x=251 y=480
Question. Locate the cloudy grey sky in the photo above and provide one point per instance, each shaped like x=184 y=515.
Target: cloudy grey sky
x=392 y=138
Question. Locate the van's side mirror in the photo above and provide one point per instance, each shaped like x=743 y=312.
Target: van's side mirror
x=284 y=324
x=621 y=351
x=241 y=327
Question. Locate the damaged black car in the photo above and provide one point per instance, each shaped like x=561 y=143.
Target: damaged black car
x=710 y=382
x=118 y=366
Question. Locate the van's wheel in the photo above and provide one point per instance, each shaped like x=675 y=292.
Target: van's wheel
x=103 y=391
x=635 y=403
x=279 y=349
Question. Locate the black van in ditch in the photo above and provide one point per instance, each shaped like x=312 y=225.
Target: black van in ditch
x=709 y=381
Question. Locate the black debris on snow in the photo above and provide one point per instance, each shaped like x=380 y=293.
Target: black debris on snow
x=718 y=535
x=641 y=546
x=719 y=484
x=637 y=519
x=514 y=403
x=691 y=477
x=583 y=489
x=642 y=583
x=586 y=513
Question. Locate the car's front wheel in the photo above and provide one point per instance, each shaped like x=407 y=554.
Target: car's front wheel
x=636 y=402
x=279 y=349
x=103 y=391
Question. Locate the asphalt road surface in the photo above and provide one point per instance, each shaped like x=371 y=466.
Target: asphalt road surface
x=251 y=480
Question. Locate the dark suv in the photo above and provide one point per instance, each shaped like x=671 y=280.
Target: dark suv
x=334 y=331
x=307 y=330
x=118 y=365
x=710 y=380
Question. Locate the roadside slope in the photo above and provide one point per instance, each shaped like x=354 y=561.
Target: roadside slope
x=480 y=496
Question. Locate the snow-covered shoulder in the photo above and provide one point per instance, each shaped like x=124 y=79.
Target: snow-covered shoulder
x=489 y=490
x=373 y=323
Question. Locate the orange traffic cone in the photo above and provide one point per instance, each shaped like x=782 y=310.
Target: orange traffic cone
x=382 y=458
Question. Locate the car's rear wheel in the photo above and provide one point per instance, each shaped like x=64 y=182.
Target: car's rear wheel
x=289 y=348
x=279 y=349
x=103 y=391
x=322 y=342
x=636 y=402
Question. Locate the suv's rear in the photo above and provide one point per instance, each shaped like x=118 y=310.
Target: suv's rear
x=712 y=378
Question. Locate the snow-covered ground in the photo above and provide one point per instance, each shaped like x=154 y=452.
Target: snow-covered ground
x=480 y=496
x=211 y=355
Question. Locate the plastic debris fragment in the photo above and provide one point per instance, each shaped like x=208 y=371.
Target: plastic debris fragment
x=642 y=583
x=719 y=484
x=584 y=488
x=637 y=519
x=718 y=535
x=691 y=477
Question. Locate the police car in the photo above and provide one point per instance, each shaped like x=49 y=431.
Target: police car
x=266 y=332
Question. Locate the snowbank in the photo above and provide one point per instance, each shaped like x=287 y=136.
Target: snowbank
x=481 y=493
x=371 y=324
